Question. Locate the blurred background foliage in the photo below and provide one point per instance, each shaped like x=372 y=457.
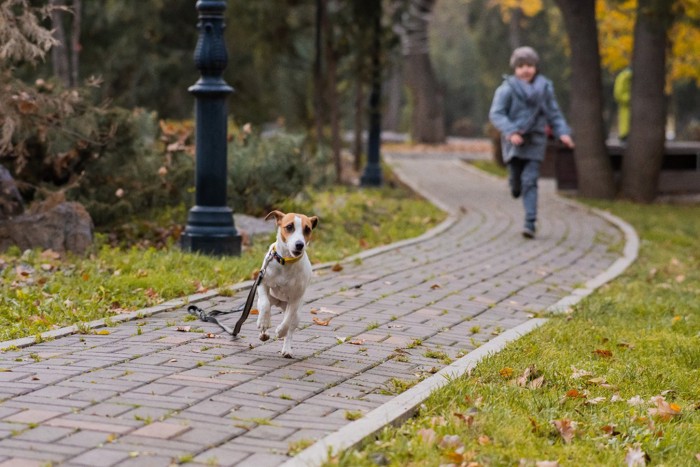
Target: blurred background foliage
x=100 y=110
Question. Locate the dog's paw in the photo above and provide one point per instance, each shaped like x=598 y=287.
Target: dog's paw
x=263 y=322
x=281 y=331
x=264 y=336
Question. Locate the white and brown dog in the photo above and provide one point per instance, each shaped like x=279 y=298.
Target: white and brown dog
x=287 y=274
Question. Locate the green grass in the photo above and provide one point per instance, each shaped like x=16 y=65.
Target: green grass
x=40 y=291
x=635 y=339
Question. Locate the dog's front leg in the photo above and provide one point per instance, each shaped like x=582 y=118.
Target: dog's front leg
x=288 y=326
x=263 y=311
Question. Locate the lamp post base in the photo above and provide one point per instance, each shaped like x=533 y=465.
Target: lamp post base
x=210 y=231
x=372 y=176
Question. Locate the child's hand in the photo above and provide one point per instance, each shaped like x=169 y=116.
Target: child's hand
x=568 y=142
x=516 y=139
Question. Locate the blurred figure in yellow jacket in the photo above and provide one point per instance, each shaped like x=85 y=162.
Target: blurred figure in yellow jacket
x=623 y=93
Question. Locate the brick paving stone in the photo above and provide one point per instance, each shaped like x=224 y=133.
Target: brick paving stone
x=32 y=416
x=148 y=460
x=86 y=438
x=100 y=457
x=224 y=457
x=20 y=462
x=162 y=430
x=44 y=434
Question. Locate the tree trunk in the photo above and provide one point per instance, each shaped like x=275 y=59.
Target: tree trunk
x=332 y=99
x=641 y=163
x=392 y=110
x=59 y=52
x=514 y=29
x=595 y=175
x=75 y=42
x=428 y=119
x=321 y=20
x=359 y=118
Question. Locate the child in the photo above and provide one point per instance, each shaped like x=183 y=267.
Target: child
x=522 y=105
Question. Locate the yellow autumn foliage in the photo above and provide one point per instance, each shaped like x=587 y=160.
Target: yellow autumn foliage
x=528 y=7
x=616 y=28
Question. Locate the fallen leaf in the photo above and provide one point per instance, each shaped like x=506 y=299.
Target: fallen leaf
x=506 y=372
x=103 y=332
x=210 y=335
x=604 y=353
x=610 y=430
x=635 y=456
x=483 y=440
x=5 y=370
x=428 y=435
x=357 y=342
x=636 y=400
x=664 y=410
x=566 y=429
x=536 y=383
x=451 y=441
x=468 y=419
x=579 y=373
x=321 y=322
x=254 y=311
x=575 y=394
x=435 y=286
x=546 y=464
x=337 y=267
x=595 y=400
x=183 y=328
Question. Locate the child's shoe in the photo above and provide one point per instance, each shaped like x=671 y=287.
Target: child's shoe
x=529 y=230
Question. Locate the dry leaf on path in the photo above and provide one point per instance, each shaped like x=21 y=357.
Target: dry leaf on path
x=337 y=267
x=322 y=322
x=357 y=342
x=183 y=328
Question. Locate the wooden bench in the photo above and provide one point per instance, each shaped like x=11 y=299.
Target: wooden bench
x=680 y=170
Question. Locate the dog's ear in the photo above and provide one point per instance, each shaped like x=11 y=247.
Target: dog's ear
x=314 y=221
x=278 y=215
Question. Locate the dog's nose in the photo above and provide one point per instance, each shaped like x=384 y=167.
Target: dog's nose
x=299 y=245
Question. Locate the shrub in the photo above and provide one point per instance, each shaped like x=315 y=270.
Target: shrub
x=267 y=172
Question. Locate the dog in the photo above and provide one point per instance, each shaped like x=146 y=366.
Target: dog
x=287 y=274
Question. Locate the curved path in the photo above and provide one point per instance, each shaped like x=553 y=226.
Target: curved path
x=146 y=394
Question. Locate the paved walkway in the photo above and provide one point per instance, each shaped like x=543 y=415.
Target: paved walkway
x=148 y=394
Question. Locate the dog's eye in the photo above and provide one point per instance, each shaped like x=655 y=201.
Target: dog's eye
x=289 y=228
x=307 y=230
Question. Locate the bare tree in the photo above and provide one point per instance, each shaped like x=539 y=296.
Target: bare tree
x=595 y=176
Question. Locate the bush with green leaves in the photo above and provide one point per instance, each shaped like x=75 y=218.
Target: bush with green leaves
x=266 y=172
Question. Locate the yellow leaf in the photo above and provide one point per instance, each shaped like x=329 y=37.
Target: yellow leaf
x=102 y=332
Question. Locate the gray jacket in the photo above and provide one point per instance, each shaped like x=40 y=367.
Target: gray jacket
x=523 y=108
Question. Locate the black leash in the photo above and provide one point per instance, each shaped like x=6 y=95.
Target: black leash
x=210 y=316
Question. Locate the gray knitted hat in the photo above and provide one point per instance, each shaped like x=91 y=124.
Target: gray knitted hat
x=524 y=55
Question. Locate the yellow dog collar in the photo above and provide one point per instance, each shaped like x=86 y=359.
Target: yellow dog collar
x=284 y=259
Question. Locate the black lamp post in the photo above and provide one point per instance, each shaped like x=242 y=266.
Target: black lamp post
x=372 y=175
x=210 y=228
